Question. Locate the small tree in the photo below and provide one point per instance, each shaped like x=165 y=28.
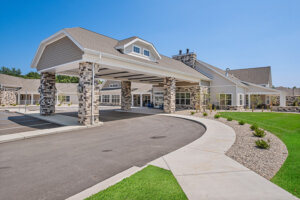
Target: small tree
x=61 y=98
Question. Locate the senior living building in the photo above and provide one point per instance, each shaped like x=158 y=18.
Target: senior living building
x=180 y=82
x=17 y=90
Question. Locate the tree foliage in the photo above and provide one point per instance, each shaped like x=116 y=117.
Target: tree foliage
x=35 y=75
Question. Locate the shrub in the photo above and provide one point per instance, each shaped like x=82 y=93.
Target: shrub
x=217 y=116
x=262 y=144
x=14 y=104
x=229 y=119
x=241 y=122
x=204 y=114
x=259 y=133
x=59 y=104
x=253 y=127
x=2 y=105
x=69 y=104
x=192 y=112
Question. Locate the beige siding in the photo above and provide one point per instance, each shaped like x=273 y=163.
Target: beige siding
x=129 y=50
x=219 y=85
x=60 y=52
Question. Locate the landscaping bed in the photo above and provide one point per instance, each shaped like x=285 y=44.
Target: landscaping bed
x=285 y=126
x=265 y=162
x=282 y=131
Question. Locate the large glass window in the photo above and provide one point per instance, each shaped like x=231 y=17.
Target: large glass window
x=183 y=98
x=225 y=99
x=115 y=99
x=105 y=98
x=136 y=49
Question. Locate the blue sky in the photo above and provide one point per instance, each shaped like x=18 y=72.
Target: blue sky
x=234 y=34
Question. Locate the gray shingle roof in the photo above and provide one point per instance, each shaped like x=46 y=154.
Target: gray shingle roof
x=289 y=91
x=101 y=43
x=258 y=75
x=125 y=41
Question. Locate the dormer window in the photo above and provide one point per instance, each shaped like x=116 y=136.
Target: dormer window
x=146 y=52
x=136 y=49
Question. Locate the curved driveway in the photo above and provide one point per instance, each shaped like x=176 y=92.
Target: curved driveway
x=61 y=165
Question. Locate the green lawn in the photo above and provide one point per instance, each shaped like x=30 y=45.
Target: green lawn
x=149 y=183
x=287 y=127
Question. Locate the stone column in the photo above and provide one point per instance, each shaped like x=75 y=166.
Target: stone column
x=126 y=95
x=169 y=95
x=85 y=97
x=47 y=92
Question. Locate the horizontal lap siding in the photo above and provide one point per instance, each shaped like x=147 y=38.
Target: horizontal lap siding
x=59 y=52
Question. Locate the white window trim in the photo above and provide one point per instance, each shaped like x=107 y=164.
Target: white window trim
x=243 y=99
x=219 y=100
x=144 y=49
x=184 y=98
x=113 y=97
x=136 y=47
x=102 y=98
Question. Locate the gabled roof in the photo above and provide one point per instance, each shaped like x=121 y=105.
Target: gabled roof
x=122 y=44
x=258 y=75
x=94 y=42
x=125 y=41
x=222 y=73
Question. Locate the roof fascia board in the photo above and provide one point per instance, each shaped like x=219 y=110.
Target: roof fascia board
x=61 y=68
x=259 y=86
x=153 y=66
x=160 y=73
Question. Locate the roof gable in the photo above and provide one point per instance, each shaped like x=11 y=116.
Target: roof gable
x=123 y=44
x=259 y=75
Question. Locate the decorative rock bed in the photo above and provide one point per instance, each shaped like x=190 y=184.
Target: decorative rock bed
x=265 y=162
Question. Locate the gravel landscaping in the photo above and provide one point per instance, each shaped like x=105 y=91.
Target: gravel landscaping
x=265 y=162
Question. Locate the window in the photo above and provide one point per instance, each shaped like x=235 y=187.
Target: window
x=225 y=99
x=268 y=100
x=241 y=96
x=136 y=49
x=146 y=52
x=115 y=99
x=105 y=98
x=113 y=85
x=67 y=98
x=64 y=99
x=183 y=98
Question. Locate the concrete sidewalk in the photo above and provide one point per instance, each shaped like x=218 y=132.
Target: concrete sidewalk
x=204 y=171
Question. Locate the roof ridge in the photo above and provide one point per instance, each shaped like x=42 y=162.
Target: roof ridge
x=251 y=68
x=94 y=32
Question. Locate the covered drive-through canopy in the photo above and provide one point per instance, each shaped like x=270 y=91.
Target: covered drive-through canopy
x=89 y=55
x=62 y=52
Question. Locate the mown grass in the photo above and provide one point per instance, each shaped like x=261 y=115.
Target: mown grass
x=150 y=183
x=287 y=127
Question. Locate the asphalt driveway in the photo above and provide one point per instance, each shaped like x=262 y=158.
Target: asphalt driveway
x=61 y=165
x=11 y=123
